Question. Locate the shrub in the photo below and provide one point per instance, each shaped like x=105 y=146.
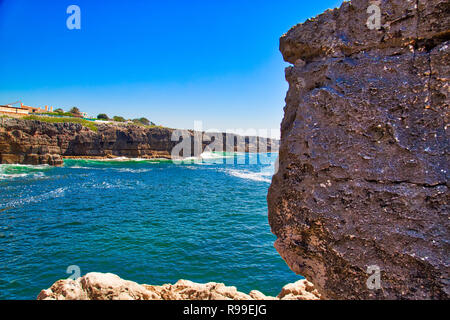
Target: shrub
x=75 y=112
x=143 y=121
x=119 y=119
x=102 y=116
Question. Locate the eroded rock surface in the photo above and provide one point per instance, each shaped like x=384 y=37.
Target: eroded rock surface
x=108 y=286
x=37 y=142
x=363 y=173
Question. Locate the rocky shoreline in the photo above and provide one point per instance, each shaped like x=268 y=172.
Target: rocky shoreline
x=108 y=286
x=36 y=142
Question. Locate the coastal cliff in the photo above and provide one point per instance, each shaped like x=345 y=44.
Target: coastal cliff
x=108 y=286
x=39 y=142
x=363 y=173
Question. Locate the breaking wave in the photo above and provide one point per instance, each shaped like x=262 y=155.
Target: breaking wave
x=261 y=176
x=57 y=193
x=13 y=171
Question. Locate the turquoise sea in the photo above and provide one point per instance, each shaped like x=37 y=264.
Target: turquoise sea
x=152 y=222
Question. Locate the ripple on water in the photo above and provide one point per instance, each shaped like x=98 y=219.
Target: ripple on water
x=147 y=221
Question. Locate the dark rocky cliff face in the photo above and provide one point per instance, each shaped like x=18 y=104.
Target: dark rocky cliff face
x=363 y=173
x=36 y=142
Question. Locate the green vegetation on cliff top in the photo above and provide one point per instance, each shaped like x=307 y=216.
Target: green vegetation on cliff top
x=86 y=123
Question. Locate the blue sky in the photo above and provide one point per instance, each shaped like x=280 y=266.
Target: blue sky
x=173 y=62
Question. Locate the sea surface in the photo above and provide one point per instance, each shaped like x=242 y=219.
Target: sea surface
x=152 y=222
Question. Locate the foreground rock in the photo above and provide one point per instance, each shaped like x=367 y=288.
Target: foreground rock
x=108 y=286
x=36 y=142
x=363 y=173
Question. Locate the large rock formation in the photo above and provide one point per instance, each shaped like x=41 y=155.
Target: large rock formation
x=38 y=142
x=107 y=286
x=363 y=173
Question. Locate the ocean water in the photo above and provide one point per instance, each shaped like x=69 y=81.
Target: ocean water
x=152 y=222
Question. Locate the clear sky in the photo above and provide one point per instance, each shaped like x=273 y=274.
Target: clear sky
x=173 y=62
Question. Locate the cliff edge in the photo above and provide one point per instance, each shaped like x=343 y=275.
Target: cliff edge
x=39 y=142
x=362 y=184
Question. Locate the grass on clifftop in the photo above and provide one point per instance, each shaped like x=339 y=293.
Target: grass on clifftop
x=85 y=123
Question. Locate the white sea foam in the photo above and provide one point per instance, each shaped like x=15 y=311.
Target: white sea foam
x=204 y=156
x=57 y=193
x=208 y=156
x=132 y=170
x=126 y=159
x=261 y=176
x=29 y=166
x=12 y=171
